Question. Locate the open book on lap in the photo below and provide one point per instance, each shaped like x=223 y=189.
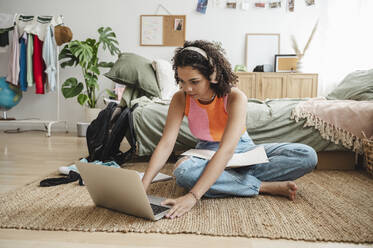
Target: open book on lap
x=159 y=177
x=254 y=156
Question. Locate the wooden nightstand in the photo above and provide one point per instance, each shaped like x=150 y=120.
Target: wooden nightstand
x=263 y=85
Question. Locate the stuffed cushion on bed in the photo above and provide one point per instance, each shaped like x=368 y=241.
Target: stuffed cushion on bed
x=165 y=78
x=135 y=71
x=357 y=85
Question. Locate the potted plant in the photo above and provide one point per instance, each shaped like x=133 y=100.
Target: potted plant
x=85 y=55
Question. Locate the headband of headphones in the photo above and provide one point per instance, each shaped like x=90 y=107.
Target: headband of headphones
x=203 y=53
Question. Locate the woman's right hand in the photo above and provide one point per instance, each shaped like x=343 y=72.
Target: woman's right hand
x=180 y=205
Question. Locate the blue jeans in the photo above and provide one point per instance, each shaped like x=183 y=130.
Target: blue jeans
x=287 y=161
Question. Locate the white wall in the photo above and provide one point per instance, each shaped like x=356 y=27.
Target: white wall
x=84 y=17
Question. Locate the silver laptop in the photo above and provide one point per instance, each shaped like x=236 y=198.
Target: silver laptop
x=121 y=190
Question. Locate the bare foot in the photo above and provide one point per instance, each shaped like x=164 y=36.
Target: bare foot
x=287 y=188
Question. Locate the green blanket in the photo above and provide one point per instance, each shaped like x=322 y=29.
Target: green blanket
x=266 y=122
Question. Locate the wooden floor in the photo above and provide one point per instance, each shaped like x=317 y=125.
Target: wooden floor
x=31 y=155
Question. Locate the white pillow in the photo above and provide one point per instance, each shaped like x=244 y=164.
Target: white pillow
x=165 y=77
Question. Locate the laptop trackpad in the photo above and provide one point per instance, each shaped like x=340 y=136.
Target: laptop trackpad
x=155 y=204
x=156 y=200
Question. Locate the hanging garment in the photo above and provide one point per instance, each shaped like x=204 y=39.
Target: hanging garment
x=40 y=24
x=23 y=63
x=22 y=22
x=30 y=52
x=38 y=65
x=14 y=57
x=50 y=57
x=13 y=66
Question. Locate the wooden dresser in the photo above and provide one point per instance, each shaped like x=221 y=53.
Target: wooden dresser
x=263 y=85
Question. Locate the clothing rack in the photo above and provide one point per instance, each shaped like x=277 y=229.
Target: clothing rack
x=47 y=123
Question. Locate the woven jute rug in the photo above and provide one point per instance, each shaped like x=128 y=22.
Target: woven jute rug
x=330 y=206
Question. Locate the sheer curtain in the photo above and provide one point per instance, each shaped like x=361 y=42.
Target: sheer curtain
x=344 y=41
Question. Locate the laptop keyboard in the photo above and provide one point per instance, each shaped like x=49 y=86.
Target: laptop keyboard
x=157 y=209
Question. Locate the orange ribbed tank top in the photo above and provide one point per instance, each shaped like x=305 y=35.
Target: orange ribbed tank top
x=207 y=121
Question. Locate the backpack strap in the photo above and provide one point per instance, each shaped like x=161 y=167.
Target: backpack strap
x=120 y=157
x=131 y=129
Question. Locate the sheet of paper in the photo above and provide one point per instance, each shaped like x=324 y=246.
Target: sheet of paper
x=254 y=156
x=152 y=30
x=157 y=178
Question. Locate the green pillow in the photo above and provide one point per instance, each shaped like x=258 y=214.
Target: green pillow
x=357 y=85
x=135 y=71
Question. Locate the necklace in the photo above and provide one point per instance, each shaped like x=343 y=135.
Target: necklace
x=209 y=100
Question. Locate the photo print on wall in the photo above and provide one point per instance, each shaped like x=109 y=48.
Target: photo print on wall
x=290 y=5
x=275 y=4
x=178 y=26
x=309 y=2
x=202 y=6
x=231 y=4
x=260 y=4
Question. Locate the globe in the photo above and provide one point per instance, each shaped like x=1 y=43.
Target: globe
x=10 y=95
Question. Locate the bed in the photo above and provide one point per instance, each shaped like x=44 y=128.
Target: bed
x=267 y=121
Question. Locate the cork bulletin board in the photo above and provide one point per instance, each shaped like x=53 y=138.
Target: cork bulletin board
x=162 y=30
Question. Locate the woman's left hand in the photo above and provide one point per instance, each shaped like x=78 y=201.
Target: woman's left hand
x=180 y=205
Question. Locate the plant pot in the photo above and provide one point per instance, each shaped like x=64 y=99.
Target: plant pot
x=91 y=114
x=82 y=128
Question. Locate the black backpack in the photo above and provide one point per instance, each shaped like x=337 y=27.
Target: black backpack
x=107 y=131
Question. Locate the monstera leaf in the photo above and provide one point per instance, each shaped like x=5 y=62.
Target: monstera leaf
x=82 y=51
x=68 y=58
x=108 y=40
x=71 y=87
x=82 y=98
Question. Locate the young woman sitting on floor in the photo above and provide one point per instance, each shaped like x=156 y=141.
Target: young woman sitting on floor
x=216 y=113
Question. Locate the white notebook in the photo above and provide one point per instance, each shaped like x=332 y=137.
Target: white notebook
x=159 y=177
x=254 y=156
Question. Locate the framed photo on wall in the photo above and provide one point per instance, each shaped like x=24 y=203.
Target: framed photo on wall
x=261 y=49
x=286 y=62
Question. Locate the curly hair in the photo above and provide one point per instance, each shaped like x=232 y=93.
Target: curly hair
x=216 y=62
